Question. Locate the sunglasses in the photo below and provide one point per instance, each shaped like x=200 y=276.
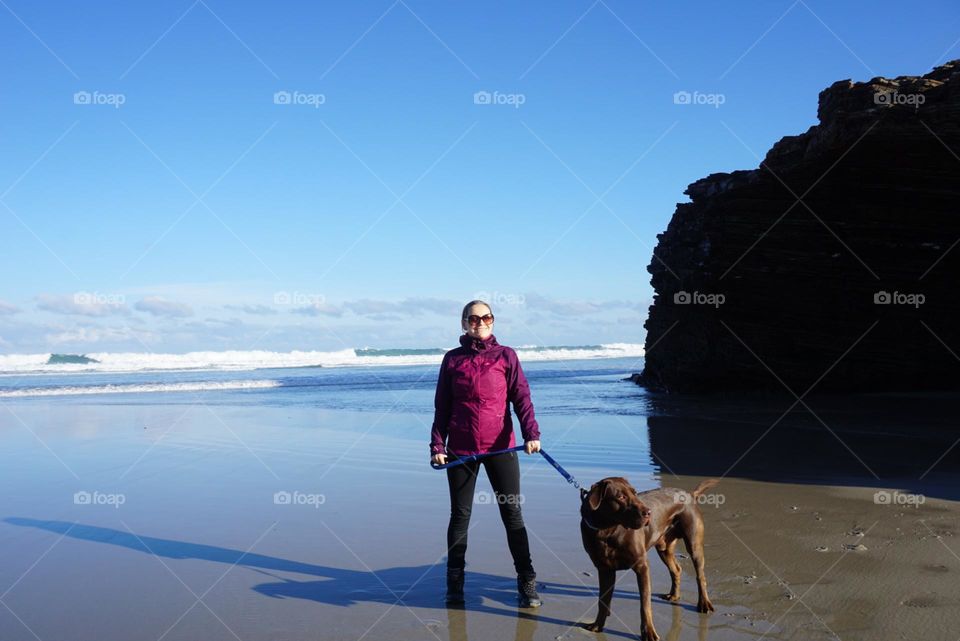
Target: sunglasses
x=474 y=320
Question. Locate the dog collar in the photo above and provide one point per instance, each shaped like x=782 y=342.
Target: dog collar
x=590 y=525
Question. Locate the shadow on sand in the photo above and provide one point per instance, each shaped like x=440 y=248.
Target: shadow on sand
x=418 y=586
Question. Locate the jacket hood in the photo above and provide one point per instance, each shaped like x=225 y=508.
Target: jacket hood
x=477 y=344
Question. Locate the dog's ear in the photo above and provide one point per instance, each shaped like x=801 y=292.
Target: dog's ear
x=597 y=491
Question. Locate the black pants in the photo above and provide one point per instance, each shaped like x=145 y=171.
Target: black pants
x=503 y=470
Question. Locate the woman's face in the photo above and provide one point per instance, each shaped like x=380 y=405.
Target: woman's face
x=481 y=330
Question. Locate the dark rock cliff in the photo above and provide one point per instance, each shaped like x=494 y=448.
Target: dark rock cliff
x=833 y=266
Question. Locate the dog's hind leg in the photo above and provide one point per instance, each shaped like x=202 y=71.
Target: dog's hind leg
x=693 y=539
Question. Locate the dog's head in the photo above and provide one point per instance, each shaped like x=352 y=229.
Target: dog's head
x=613 y=500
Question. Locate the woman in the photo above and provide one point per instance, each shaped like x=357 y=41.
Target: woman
x=476 y=382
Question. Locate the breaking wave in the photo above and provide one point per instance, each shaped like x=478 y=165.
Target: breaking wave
x=252 y=360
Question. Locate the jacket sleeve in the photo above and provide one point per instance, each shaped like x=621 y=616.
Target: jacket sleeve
x=441 y=413
x=518 y=393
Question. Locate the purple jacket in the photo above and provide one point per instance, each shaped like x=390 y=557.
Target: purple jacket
x=476 y=382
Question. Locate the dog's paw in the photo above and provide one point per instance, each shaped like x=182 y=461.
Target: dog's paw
x=673 y=598
x=593 y=627
x=704 y=606
x=649 y=634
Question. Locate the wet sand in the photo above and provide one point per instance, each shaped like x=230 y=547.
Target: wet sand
x=199 y=546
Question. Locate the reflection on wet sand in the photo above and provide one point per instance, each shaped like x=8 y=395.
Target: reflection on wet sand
x=527 y=622
x=867 y=440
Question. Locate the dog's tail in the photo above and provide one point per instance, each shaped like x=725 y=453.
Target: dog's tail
x=703 y=487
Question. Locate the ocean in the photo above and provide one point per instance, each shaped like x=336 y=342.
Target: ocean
x=362 y=378
x=366 y=396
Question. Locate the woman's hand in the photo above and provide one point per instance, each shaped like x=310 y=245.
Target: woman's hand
x=439 y=459
x=532 y=446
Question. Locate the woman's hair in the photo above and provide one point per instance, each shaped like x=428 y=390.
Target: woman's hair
x=466 y=308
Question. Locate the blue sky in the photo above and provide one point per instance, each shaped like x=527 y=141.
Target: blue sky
x=157 y=194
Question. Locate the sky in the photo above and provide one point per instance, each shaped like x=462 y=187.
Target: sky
x=213 y=175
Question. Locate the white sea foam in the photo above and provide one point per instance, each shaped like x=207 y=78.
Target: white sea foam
x=134 y=388
x=260 y=359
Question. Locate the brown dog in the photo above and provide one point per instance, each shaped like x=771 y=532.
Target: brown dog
x=619 y=526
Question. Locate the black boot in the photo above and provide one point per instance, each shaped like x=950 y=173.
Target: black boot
x=527 y=590
x=454 y=585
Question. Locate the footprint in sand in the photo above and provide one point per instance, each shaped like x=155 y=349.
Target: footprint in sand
x=922 y=601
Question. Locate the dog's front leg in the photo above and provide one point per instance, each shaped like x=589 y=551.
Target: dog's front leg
x=608 y=578
x=647 y=631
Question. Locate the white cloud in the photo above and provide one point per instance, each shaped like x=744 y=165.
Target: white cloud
x=370 y=306
x=568 y=308
x=93 y=334
x=319 y=308
x=162 y=307
x=407 y=307
x=441 y=306
x=7 y=308
x=386 y=317
x=260 y=310
x=230 y=322
x=212 y=293
x=83 y=304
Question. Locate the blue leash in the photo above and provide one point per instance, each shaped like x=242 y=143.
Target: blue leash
x=473 y=457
